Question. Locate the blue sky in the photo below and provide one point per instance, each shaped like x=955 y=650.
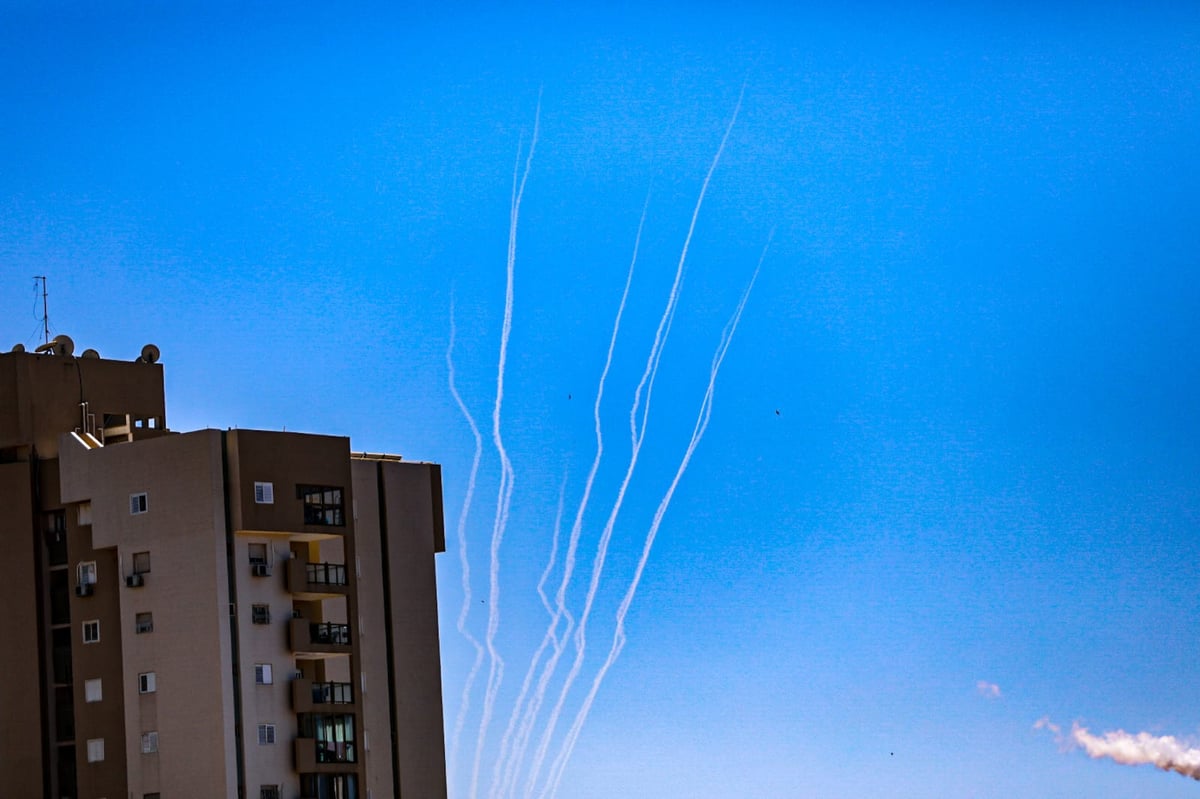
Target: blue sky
x=977 y=321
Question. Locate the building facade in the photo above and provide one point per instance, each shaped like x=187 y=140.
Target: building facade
x=231 y=613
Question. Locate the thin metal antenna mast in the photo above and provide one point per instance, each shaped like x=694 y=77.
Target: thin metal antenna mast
x=45 y=309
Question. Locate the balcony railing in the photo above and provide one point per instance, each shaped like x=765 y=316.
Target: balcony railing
x=325 y=573
x=317 y=580
x=333 y=693
x=319 y=637
x=329 y=633
x=310 y=697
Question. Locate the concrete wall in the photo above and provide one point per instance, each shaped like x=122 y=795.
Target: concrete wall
x=20 y=743
x=413 y=520
x=186 y=591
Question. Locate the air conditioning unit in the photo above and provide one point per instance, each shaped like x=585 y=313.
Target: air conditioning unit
x=260 y=570
x=84 y=589
x=134 y=581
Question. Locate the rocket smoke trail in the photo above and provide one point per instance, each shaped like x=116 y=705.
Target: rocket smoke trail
x=464 y=702
x=497 y=787
x=558 y=767
x=1164 y=752
x=534 y=706
x=647 y=382
x=504 y=497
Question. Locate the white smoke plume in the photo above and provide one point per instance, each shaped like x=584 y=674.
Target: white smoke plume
x=637 y=435
x=465 y=702
x=559 y=765
x=504 y=497
x=1164 y=752
x=987 y=689
x=528 y=710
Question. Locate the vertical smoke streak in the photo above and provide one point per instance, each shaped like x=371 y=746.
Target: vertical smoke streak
x=531 y=709
x=504 y=496
x=647 y=383
x=464 y=562
x=558 y=766
x=497 y=788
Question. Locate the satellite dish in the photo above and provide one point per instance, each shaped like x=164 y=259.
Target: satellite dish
x=150 y=354
x=60 y=345
x=18 y=347
x=90 y=353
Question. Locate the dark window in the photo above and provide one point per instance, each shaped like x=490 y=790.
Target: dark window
x=62 y=655
x=329 y=786
x=260 y=614
x=56 y=536
x=60 y=597
x=144 y=623
x=333 y=735
x=268 y=792
x=322 y=505
x=64 y=712
x=141 y=563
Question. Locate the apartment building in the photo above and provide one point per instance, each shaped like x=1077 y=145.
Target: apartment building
x=215 y=613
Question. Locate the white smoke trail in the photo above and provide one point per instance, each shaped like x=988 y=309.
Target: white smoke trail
x=558 y=766
x=497 y=786
x=531 y=709
x=504 y=497
x=464 y=702
x=646 y=383
x=1161 y=751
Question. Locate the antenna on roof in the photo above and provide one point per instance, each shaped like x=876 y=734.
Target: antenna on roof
x=45 y=309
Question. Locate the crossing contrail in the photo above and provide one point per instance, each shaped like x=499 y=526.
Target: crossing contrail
x=558 y=766
x=464 y=702
x=530 y=711
x=504 y=497
x=647 y=383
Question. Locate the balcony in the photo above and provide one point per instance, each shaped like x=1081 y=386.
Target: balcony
x=317 y=580
x=309 y=696
x=318 y=639
x=313 y=756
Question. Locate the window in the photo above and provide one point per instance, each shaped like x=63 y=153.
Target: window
x=144 y=623
x=147 y=683
x=260 y=614
x=155 y=795
x=268 y=792
x=85 y=573
x=262 y=673
x=334 y=735
x=93 y=690
x=91 y=631
x=95 y=748
x=258 y=554
x=322 y=505
x=138 y=503
x=149 y=742
x=266 y=734
x=141 y=562
x=264 y=493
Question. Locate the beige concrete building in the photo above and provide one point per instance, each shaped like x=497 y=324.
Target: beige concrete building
x=216 y=613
